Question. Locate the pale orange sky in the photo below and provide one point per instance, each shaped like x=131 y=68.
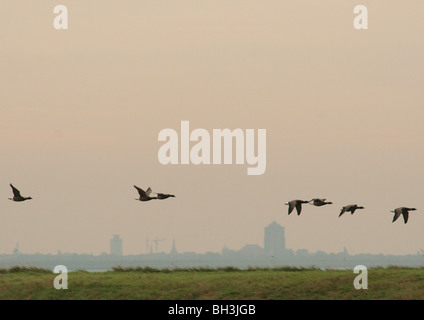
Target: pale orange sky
x=81 y=110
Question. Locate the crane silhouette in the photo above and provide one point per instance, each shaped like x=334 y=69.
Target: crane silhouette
x=156 y=241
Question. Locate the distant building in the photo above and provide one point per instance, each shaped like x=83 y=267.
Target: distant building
x=251 y=250
x=116 y=245
x=225 y=251
x=274 y=242
x=16 y=250
x=173 y=249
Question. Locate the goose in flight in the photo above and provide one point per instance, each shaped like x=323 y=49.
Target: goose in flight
x=350 y=208
x=402 y=211
x=17 y=195
x=319 y=202
x=144 y=195
x=296 y=204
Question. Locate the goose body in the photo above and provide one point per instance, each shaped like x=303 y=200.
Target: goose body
x=162 y=196
x=17 y=195
x=402 y=211
x=350 y=208
x=144 y=195
x=296 y=204
x=319 y=202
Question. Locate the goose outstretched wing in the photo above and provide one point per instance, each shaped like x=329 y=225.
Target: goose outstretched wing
x=16 y=192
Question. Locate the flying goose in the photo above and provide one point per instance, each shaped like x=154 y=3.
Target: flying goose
x=296 y=204
x=319 y=202
x=404 y=211
x=17 y=195
x=144 y=195
x=350 y=208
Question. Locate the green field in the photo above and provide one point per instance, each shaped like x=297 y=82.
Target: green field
x=217 y=284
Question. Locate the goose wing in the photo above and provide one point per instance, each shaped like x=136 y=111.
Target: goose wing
x=148 y=191
x=405 y=214
x=397 y=214
x=291 y=206
x=342 y=211
x=16 y=192
x=141 y=192
x=298 y=208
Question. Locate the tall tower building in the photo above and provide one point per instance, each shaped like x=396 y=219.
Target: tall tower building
x=116 y=245
x=274 y=243
x=173 y=249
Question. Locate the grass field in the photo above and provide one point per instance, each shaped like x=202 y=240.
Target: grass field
x=217 y=284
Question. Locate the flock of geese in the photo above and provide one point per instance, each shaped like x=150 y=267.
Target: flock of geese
x=146 y=196
x=404 y=211
x=143 y=195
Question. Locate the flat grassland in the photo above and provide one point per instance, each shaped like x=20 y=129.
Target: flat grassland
x=213 y=284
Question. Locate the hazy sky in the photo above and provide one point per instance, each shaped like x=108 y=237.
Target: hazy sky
x=81 y=109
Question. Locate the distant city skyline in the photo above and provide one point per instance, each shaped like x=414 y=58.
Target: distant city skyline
x=272 y=254
x=273 y=245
